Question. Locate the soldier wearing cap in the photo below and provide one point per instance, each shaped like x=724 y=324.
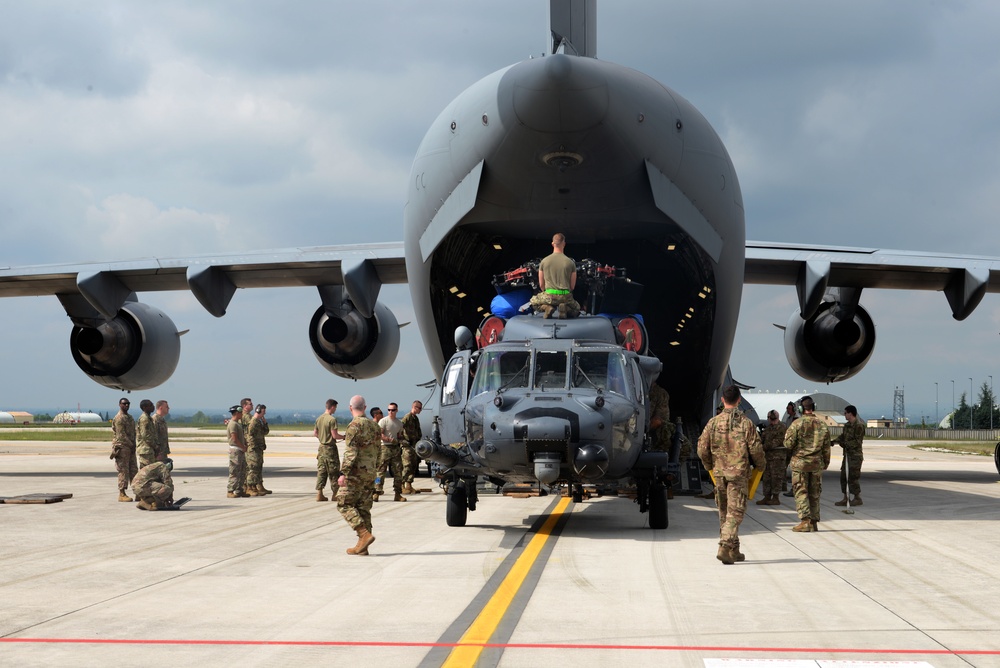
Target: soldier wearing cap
x=123 y=447
x=808 y=441
x=256 y=445
x=237 y=454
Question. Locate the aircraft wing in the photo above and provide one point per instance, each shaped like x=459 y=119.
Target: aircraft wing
x=213 y=279
x=964 y=279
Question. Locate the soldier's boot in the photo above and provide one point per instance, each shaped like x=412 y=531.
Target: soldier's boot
x=766 y=501
x=546 y=310
x=408 y=488
x=365 y=538
x=375 y=496
x=142 y=505
x=775 y=501
x=725 y=555
x=856 y=501
x=804 y=526
x=842 y=502
x=261 y=490
x=122 y=496
x=319 y=495
x=815 y=524
x=242 y=494
x=737 y=555
x=232 y=495
x=252 y=491
x=562 y=310
x=399 y=497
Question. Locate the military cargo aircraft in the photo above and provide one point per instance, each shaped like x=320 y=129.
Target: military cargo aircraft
x=626 y=167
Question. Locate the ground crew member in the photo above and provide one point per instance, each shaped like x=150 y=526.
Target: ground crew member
x=729 y=446
x=357 y=477
x=391 y=459
x=123 y=448
x=661 y=429
x=145 y=448
x=408 y=452
x=808 y=441
x=556 y=280
x=777 y=459
x=850 y=440
x=256 y=445
x=153 y=487
x=327 y=457
x=160 y=429
x=237 y=454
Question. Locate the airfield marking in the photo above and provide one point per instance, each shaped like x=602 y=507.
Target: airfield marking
x=475 y=639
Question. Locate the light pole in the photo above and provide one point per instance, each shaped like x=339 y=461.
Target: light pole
x=970 y=403
x=952 y=404
x=936 y=420
x=992 y=401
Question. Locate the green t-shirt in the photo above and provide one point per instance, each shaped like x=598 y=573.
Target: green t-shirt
x=326 y=424
x=557 y=270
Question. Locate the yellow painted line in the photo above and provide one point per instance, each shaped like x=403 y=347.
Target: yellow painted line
x=468 y=649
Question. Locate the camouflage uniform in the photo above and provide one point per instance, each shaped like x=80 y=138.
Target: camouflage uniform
x=728 y=447
x=123 y=449
x=237 y=458
x=850 y=439
x=327 y=458
x=162 y=441
x=411 y=434
x=361 y=446
x=808 y=441
x=661 y=438
x=777 y=458
x=152 y=484
x=145 y=448
x=255 y=451
x=391 y=457
x=557 y=270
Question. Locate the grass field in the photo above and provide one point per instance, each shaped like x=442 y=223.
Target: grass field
x=984 y=448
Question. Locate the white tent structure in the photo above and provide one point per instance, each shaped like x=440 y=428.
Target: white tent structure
x=74 y=417
x=7 y=418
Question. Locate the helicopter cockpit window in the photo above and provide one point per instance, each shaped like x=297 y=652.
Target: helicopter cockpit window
x=500 y=370
x=550 y=369
x=604 y=370
x=454 y=383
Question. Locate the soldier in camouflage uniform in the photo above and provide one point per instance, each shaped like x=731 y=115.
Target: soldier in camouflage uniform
x=408 y=452
x=729 y=446
x=237 y=455
x=327 y=457
x=362 y=442
x=776 y=455
x=808 y=440
x=556 y=280
x=123 y=447
x=850 y=439
x=661 y=430
x=153 y=487
x=160 y=428
x=391 y=458
x=145 y=448
x=256 y=445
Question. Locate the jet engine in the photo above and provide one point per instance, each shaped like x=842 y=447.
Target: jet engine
x=834 y=344
x=352 y=346
x=136 y=350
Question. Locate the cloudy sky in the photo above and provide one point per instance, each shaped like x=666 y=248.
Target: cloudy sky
x=134 y=130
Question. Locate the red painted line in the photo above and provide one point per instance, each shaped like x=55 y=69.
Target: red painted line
x=559 y=646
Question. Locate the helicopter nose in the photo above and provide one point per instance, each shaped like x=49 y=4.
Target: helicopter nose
x=591 y=461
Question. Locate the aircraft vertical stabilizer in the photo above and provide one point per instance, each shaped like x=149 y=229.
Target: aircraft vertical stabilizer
x=573 y=24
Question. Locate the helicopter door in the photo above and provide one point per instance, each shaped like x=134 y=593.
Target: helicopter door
x=454 y=392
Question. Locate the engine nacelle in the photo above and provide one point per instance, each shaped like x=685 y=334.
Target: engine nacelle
x=137 y=350
x=833 y=345
x=352 y=346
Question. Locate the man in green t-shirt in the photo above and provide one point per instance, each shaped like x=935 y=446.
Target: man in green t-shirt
x=556 y=280
x=327 y=458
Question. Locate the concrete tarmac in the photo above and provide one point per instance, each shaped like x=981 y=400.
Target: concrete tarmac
x=910 y=578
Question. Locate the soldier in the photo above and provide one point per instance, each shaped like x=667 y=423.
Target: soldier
x=777 y=459
x=357 y=477
x=391 y=459
x=246 y=414
x=661 y=430
x=808 y=440
x=145 y=448
x=237 y=454
x=160 y=428
x=327 y=457
x=726 y=447
x=153 y=486
x=791 y=415
x=123 y=447
x=556 y=280
x=850 y=440
x=411 y=434
x=256 y=445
